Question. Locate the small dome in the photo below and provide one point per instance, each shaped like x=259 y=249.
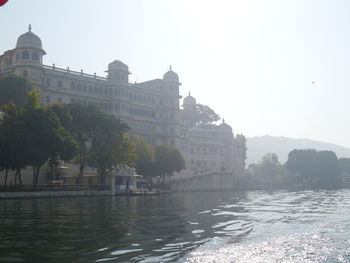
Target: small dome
x=224 y=127
x=118 y=65
x=29 y=40
x=189 y=100
x=171 y=76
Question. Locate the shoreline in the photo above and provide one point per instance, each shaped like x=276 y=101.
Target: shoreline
x=73 y=193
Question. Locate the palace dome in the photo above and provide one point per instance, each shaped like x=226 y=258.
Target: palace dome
x=171 y=76
x=29 y=40
x=118 y=65
x=224 y=127
x=189 y=100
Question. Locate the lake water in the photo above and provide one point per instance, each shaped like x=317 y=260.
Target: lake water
x=308 y=226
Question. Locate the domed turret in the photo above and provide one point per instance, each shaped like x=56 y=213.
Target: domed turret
x=118 y=71
x=29 y=40
x=225 y=128
x=189 y=102
x=118 y=65
x=171 y=76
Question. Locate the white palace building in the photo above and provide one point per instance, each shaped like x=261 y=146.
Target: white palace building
x=151 y=109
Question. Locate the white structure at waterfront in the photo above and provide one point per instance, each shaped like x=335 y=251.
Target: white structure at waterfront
x=151 y=109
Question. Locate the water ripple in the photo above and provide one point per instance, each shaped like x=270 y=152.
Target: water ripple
x=284 y=227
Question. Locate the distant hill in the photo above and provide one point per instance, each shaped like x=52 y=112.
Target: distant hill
x=258 y=146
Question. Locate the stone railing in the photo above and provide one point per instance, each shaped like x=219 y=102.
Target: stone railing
x=74 y=73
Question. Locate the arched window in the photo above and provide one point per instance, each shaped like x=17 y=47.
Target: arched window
x=17 y=56
x=35 y=56
x=25 y=55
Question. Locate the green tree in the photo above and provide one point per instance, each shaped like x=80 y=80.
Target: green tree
x=15 y=89
x=314 y=169
x=107 y=144
x=301 y=165
x=269 y=173
x=84 y=121
x=168 y=160
x=68 y=147
x=344 y=165
x=63 y=113
x=12 y=141
x=327 y=172
x=46 y=139
x=33 y=100
x=206 y=115
x=145 y=157
x=65 y=150
x=200 y=115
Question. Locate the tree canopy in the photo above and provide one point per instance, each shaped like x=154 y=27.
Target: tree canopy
x=15 y=89
x=201 y=115
x=314 y=169
x=168 y=160
x=107 y=144
x=145 y=155
x=269 y=173
x=206 y=115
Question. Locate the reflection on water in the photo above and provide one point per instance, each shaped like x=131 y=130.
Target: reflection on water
x=309 y=226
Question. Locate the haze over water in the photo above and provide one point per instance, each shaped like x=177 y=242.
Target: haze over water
x=309 y=226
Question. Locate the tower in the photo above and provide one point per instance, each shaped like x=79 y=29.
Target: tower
x=29 y=53
x=26 y=59
x=170 y=97
x=118 y=72
x=189 y=103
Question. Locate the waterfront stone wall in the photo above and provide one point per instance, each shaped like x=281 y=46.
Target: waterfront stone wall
x=216 y=181
x=43 y=194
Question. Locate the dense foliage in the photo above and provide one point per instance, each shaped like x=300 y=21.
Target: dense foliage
x=15 y=89
x=306 y=168
x=314 y=169
x=34 y=136
x=30 y=136
x=201 y=115
x=269 y=173
x=206 y=115
x=156 y=163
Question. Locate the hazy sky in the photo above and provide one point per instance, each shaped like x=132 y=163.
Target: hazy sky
x=253 y=62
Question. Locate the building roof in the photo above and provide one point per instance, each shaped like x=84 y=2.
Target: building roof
x=29 y=40
x=224 y=127
x=171 y=76
x=118 y=65
x=189 y=100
